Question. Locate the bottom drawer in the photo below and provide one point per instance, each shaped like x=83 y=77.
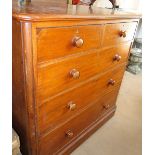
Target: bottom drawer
x=67 y=133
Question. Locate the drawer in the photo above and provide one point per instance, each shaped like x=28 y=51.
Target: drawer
x=71 y=130
x=111 y=57
x=62 y=41
x=60 y=76
x=58 y=110
x=118 y=32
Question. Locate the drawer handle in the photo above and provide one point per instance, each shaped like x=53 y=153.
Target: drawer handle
x=122 y=34
x=111 y=82
x=75 y=73
x=71 y=105
x=78 y=42
x=107 y=106
x=117 y=57
x=69 y=134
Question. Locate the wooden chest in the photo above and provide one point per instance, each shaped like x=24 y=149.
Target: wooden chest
x=68 y=64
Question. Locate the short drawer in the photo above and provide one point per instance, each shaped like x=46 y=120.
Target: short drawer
x=113 y=56
x=65 y=134
x=118 y=32
x=62 y=41
x=58 y=110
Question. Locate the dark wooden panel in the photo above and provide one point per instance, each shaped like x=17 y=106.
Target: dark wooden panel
x=19 y=111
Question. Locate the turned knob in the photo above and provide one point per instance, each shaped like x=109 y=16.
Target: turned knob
x=69 y=134
x=71 y=105
x=74 y=73
x=117 y=57
x=107 y=106
x=111 y=82
x=78 y=42
x=122 y=34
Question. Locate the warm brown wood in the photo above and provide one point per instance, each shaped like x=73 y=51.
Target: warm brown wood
x=39 y=10
x=54 y=112
x=68 y=64
x=54 y=77
x=52 y=45
x=76 y=126
x=23 y=110
x=116 y=33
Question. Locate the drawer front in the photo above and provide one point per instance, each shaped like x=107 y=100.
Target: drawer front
x=72 y=129
x=60 y=76
x=54 y=112
x=59 y=42
x=114 y=56
x=119 y=32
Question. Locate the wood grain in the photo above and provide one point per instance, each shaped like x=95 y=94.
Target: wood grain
x=40 y=10
x=58 y=42
x=58 y=138
x=54 y=112
x=111 y=33
x=64 y=90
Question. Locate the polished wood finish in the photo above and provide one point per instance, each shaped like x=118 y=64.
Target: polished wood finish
x=68 y=64
x=76 y=126
x=50 y=117
x=116 y=33
x=75 y=39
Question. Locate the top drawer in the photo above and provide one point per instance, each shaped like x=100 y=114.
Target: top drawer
x=118 y=32
x=61 y=41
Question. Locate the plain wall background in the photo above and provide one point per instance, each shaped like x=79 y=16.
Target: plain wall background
x=128 y=4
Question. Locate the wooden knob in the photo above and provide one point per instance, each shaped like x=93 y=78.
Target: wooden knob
x=111 y=82
x=117 y=57
x=71 y=105
x=69 y=134
x=74 y=73
x=78 y=42
x=122 y=34
x=107 y=106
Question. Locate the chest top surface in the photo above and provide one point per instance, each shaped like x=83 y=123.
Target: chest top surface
x=38 y=10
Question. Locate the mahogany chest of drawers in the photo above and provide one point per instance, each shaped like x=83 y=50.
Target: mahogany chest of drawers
x=68 y=64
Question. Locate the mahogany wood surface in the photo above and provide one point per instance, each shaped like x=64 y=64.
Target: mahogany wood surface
x=54 y=77
x=54 y=112
x=112 y=34
x=59 y=138
x=68 y=64
x=46 y=10
x=58 y=42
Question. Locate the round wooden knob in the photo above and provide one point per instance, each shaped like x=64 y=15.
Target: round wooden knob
x=74 y=73
x=78 y=42
x=71 y=105
x=107 y=106
x=122 y=34
x=69 y=134
x=111 y=82
x=117 y=57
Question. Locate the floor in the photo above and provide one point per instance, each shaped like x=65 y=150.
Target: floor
x=122 y=134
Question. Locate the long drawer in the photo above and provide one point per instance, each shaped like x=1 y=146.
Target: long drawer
x=115 y=33
x=72 y=129
x=59 y=76
x=51 y=44
x=58 y=110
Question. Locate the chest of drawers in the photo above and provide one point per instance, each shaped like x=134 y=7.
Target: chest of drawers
x=68 y=64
